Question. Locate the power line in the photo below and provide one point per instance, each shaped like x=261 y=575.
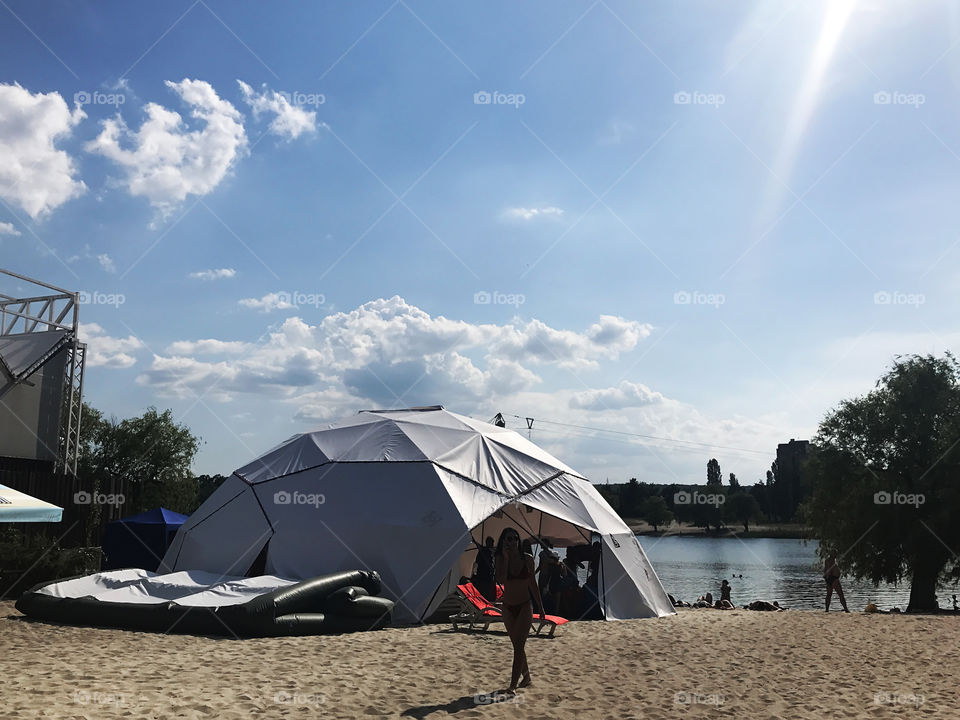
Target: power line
x=640 y=435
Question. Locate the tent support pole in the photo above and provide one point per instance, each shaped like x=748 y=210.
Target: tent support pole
x=602 y=585
x=427 y=606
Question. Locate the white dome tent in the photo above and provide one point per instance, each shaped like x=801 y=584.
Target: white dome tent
x=411 y=494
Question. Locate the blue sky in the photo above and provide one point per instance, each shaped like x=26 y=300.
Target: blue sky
x=678 y=219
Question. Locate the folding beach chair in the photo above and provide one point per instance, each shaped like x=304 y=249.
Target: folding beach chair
x=477 y=610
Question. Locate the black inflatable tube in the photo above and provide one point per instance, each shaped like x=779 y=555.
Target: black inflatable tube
x=355 y=602
x=325 y=624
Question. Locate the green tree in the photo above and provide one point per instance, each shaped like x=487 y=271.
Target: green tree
x=714 y=476
x=630 y=499
x=152 y=453
x=886 y=481
x=655 y=511
x=734 y=483
x=742 y=507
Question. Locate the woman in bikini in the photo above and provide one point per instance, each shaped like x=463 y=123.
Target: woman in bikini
x=514 y=569
x=831 y=576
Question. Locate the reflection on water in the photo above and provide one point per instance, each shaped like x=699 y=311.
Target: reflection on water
x=773 y=569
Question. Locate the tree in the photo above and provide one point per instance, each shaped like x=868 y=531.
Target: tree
x=150 y=455
x=742 y=507
x=654 y=510
x=885 y=483
x=714 y=476
x=610 y=493
x=630 y=499
x=734 y=483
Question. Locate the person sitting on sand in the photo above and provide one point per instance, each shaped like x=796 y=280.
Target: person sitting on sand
x=831 y=576
x=514 y=569
x=725 y=591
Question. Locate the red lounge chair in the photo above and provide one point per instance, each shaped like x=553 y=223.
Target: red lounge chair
x=477 y=610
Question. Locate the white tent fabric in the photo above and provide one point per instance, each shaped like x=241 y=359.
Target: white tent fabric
x=408 y=493
x=142 y=587
x=16 y=506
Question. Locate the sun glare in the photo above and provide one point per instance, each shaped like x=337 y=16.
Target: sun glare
x=836 y=16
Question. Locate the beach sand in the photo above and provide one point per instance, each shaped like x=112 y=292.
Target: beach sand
x=699 y=663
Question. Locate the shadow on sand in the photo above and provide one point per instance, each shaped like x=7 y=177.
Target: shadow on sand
x=467 y=702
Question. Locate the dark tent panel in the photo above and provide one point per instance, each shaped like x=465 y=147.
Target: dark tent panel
x=140 y=541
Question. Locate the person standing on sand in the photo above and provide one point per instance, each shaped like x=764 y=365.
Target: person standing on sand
x=514 y=569
x=831 y=576
x=482 y=578
x=724 y=591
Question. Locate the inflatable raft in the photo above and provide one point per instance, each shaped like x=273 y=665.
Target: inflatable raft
x=209 y=604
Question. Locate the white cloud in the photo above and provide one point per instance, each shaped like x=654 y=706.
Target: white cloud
x=617 y=457
x=385 y=352
x=34 y=174
x=168 y=161
x=215 y=274
x=8 y=229
x=106 y=262
x=269 y=302
x=209 y=346
x=106 y=351
x=538 y=343
x=624 y=395
x=291 y=121
x=529 y=213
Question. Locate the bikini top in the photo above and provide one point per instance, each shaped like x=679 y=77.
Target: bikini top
x=522 y=575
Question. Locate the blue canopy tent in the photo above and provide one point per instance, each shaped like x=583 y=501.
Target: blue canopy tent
x=140 y=541
x=16 y=506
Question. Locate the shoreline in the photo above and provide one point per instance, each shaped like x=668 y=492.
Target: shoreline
x=786 y=531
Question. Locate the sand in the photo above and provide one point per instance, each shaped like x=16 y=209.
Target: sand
x=699 y=663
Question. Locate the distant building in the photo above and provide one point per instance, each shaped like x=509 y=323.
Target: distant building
x=790 y=487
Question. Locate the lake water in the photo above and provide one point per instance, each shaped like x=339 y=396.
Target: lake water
x=773 y=569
